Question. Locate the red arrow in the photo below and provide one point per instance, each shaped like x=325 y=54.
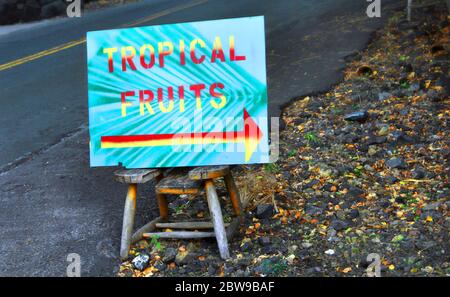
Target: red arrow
x=250 y=136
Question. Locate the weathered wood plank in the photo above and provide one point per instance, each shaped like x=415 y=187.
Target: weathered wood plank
x=149 y=227
x=128 y=220
x=234 y=194
x=208 y=172
x=180 y=234
x=188 y=225
x=175 y=184
x=162 y=202
x=177 y=191
x=136 y=176
x=216 y=217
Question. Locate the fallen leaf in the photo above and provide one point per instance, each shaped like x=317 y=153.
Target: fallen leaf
x=397 y=238
x=347 y=270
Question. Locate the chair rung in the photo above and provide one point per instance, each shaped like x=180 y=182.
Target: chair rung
x=187 y=225
x=180 y=234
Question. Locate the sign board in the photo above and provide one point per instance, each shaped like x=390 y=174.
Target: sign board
x=186 y=94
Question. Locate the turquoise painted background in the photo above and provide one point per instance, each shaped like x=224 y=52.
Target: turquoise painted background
x=245 y=87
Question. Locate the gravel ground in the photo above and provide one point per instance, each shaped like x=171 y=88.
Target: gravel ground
x=364 y=168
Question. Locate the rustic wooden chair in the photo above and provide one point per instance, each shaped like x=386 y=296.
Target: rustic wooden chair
x=133 y=177
x=197 y=178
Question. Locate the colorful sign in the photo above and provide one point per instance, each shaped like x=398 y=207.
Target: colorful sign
x=186 y=94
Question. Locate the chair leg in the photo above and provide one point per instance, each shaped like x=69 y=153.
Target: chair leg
x=234 y=194
x=163 y=207
x=217 y=220
x=128 y=221
x=162 y=203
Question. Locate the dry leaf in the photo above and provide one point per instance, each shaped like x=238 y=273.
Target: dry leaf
x=347 y=270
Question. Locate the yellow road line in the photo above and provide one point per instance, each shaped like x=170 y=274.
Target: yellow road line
x=165 y=12
x=83 y=40
x=41 y=54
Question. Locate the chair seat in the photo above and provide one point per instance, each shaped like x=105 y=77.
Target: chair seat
x=136 y=176
x=209 y=172
x=178 y=185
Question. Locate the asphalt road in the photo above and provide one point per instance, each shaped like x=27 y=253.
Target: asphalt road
x=52 y=203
